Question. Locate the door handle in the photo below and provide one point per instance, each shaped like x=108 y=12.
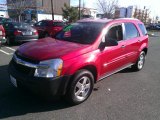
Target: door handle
x=123 y=46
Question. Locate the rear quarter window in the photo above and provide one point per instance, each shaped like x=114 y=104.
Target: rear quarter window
x=58 y=24
x=143 y=29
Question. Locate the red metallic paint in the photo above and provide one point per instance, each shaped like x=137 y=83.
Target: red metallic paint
x=76 y=56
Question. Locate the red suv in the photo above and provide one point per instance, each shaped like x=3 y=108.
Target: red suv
x=48 y=27
x=79 y=56
x=2 y=35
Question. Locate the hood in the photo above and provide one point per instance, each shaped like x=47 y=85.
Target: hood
x=49 y=48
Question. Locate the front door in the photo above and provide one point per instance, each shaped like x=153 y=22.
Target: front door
x=113 y=57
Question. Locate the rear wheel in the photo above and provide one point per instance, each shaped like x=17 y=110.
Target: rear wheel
x=81 y=87
x=140 y=62
x=8 y=41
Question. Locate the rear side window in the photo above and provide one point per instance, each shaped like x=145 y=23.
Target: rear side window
x=42 y=24
x=58 y=24
x=131 y=31
x=8 y=26
x=115 y=33
x=143 y=29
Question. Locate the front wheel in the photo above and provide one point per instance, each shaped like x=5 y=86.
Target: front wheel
x=140 y=62
x=81 y=87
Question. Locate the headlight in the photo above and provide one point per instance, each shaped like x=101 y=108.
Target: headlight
x=49 y=68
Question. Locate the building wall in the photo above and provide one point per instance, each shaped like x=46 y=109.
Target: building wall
x=57 y=5
x=4 y=14
x=130 y=11
x=46 y=5
x=133 y=12
x=121 y=12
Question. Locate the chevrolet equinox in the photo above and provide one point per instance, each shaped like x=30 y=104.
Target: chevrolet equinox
x=81 y=54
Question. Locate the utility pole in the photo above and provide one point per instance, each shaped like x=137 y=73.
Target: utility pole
x=79 y=9
x=52 y=9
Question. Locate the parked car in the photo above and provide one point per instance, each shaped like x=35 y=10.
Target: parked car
x=48 y=28
x=80 y=55
x=3 y=20
x=19 y=32
x=153 y=27
x=2 y=35
x=30 y=22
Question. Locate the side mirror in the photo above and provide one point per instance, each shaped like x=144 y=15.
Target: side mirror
x=111 y=42
x=107 y=42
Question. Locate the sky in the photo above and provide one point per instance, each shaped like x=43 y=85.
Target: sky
x=153 y=5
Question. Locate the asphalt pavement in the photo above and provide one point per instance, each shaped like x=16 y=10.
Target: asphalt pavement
x=125 y=95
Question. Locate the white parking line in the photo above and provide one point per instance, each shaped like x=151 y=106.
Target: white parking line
x=6 y=52
x=10 y=48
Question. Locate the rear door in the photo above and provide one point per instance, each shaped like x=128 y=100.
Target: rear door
x=113 y=57
x=133 y=42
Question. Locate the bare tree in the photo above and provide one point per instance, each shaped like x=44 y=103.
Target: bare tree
x=107 y=7
x=19 y=6
x=142 y=14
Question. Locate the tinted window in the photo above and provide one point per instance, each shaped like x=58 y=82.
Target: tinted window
x=42 y=23
x=39 y=23
x=143 y=29
x=115 y=33
x=8 y=26
x=58 y=24
x=83 y=32
x=131 y=31
x=21 y=25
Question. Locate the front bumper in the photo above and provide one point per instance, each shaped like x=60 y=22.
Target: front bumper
x=41 y=86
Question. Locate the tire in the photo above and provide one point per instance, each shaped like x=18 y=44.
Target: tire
x=46 y=35
x=81 y=87
x=140 y=62
x=8 y=41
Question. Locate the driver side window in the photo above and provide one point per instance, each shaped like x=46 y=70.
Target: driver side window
x=115 y=33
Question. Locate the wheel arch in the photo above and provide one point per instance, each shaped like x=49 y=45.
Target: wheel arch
x=90 y=68
x=145 y=50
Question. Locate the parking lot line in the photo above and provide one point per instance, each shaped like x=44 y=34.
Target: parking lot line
x=6 y=52
x=10 y=48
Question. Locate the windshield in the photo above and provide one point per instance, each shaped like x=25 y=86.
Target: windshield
x=82 y=32
x=21 y=25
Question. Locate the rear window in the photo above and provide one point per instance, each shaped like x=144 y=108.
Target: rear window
x=58 y=24
x=143 y=29
x=21 y=25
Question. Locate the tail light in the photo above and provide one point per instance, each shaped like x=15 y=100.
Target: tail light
x=2 y=33
x=17 y=32
x=35 y=32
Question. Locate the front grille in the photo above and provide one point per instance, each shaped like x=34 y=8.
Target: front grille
x=23 y=69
